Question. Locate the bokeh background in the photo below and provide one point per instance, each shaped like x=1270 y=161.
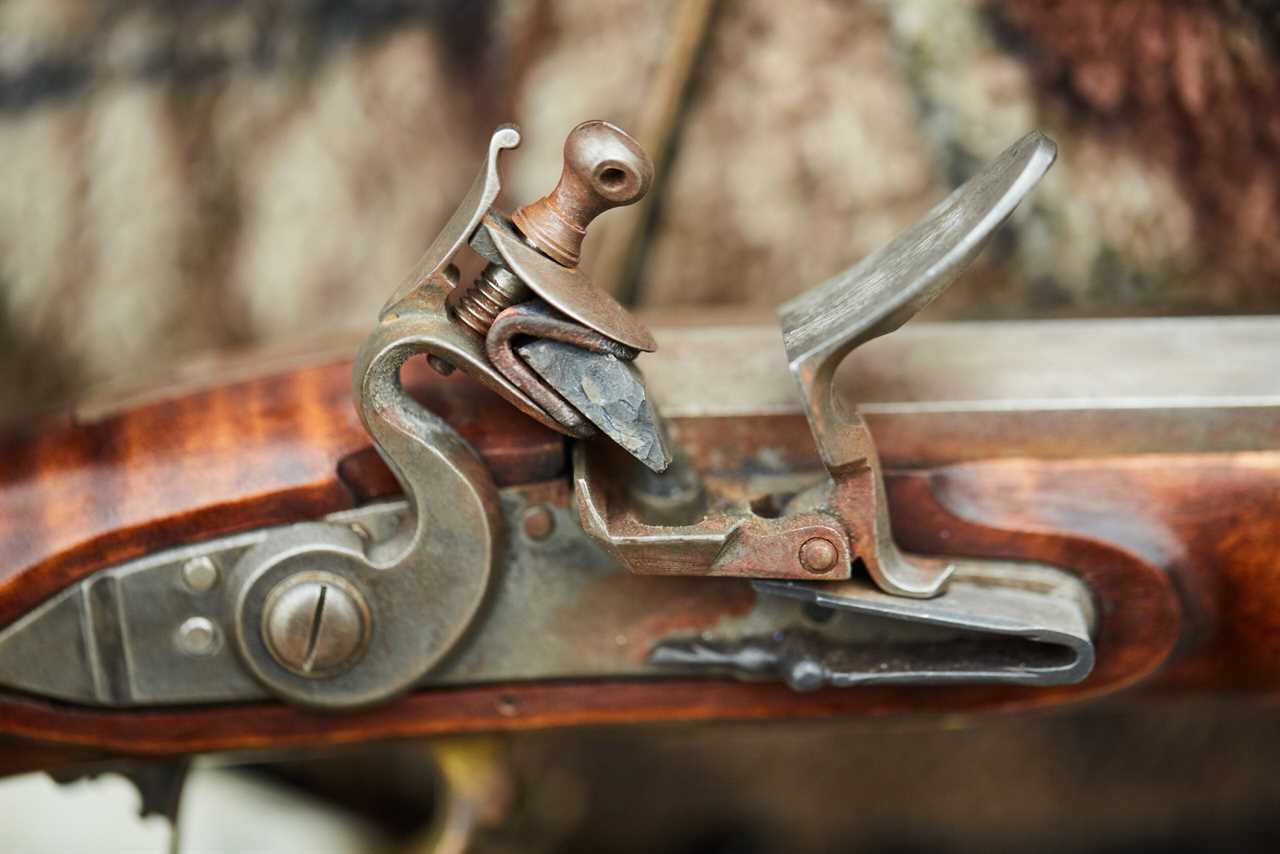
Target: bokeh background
x=183 y=177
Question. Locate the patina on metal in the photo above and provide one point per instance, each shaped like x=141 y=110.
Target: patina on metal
x=564 y=608
x=401 y=602
x=495 y=289
x=942 y=393
x=484 y=192
x=873 y=298
x=1012 y=623
x=419 y=308
x=729 y=539
x=458 y=585
x=533 y=319
x=604 y=168
x=339 y=613
x=609 y=390
x=316 y=624
x=824 y=529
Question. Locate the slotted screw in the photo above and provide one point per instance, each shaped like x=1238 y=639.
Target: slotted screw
x=315 y=624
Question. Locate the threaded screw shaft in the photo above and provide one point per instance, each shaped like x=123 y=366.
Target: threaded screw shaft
x=494 y=290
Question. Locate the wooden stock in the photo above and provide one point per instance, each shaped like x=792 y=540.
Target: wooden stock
x=78 y=497
x=1179 y=550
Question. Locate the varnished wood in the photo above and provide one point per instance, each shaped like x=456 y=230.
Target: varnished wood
x=1177 y=548
x=78 y=497
x=1209 y=520
x=1140 y=627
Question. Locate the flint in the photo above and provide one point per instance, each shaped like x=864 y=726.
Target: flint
x=608 y=391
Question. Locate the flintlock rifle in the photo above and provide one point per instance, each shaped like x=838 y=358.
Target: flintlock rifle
x=523 y=530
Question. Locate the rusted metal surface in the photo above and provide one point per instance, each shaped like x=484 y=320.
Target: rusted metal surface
x=818 y=555
x=561 y=607
x=567 y=289
x=819 y=328
x=799 y=545
x=1140 y=624
x=730 y=540
x=604 y=168
x=374 y=652
x=493 y=291
x=872 y=299
x=452 y=321
x=425 y=316
x=538 y=522
x=1086 y=497
x=536 y=251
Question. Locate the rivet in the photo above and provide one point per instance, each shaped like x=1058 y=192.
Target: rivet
x=200 y=573
x=198 y=636
x=818 y=555
x=539 y=522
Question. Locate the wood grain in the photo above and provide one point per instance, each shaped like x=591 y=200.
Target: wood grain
x=1177 y=549
x=78 y=497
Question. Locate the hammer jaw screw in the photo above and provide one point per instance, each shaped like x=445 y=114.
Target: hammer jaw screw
x=604 y=168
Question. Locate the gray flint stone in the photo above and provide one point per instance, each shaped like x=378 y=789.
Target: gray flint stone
x=608 y=391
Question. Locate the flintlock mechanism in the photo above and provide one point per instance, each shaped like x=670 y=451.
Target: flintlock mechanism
x=446 y=588
x=531 y=289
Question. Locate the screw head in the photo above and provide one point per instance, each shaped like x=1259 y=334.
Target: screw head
x=539 y=522
x=315 y=624
x=198 y=636
x=818 y=555
x=200 y=573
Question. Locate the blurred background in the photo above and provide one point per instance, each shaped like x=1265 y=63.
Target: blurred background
x=180 y=178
